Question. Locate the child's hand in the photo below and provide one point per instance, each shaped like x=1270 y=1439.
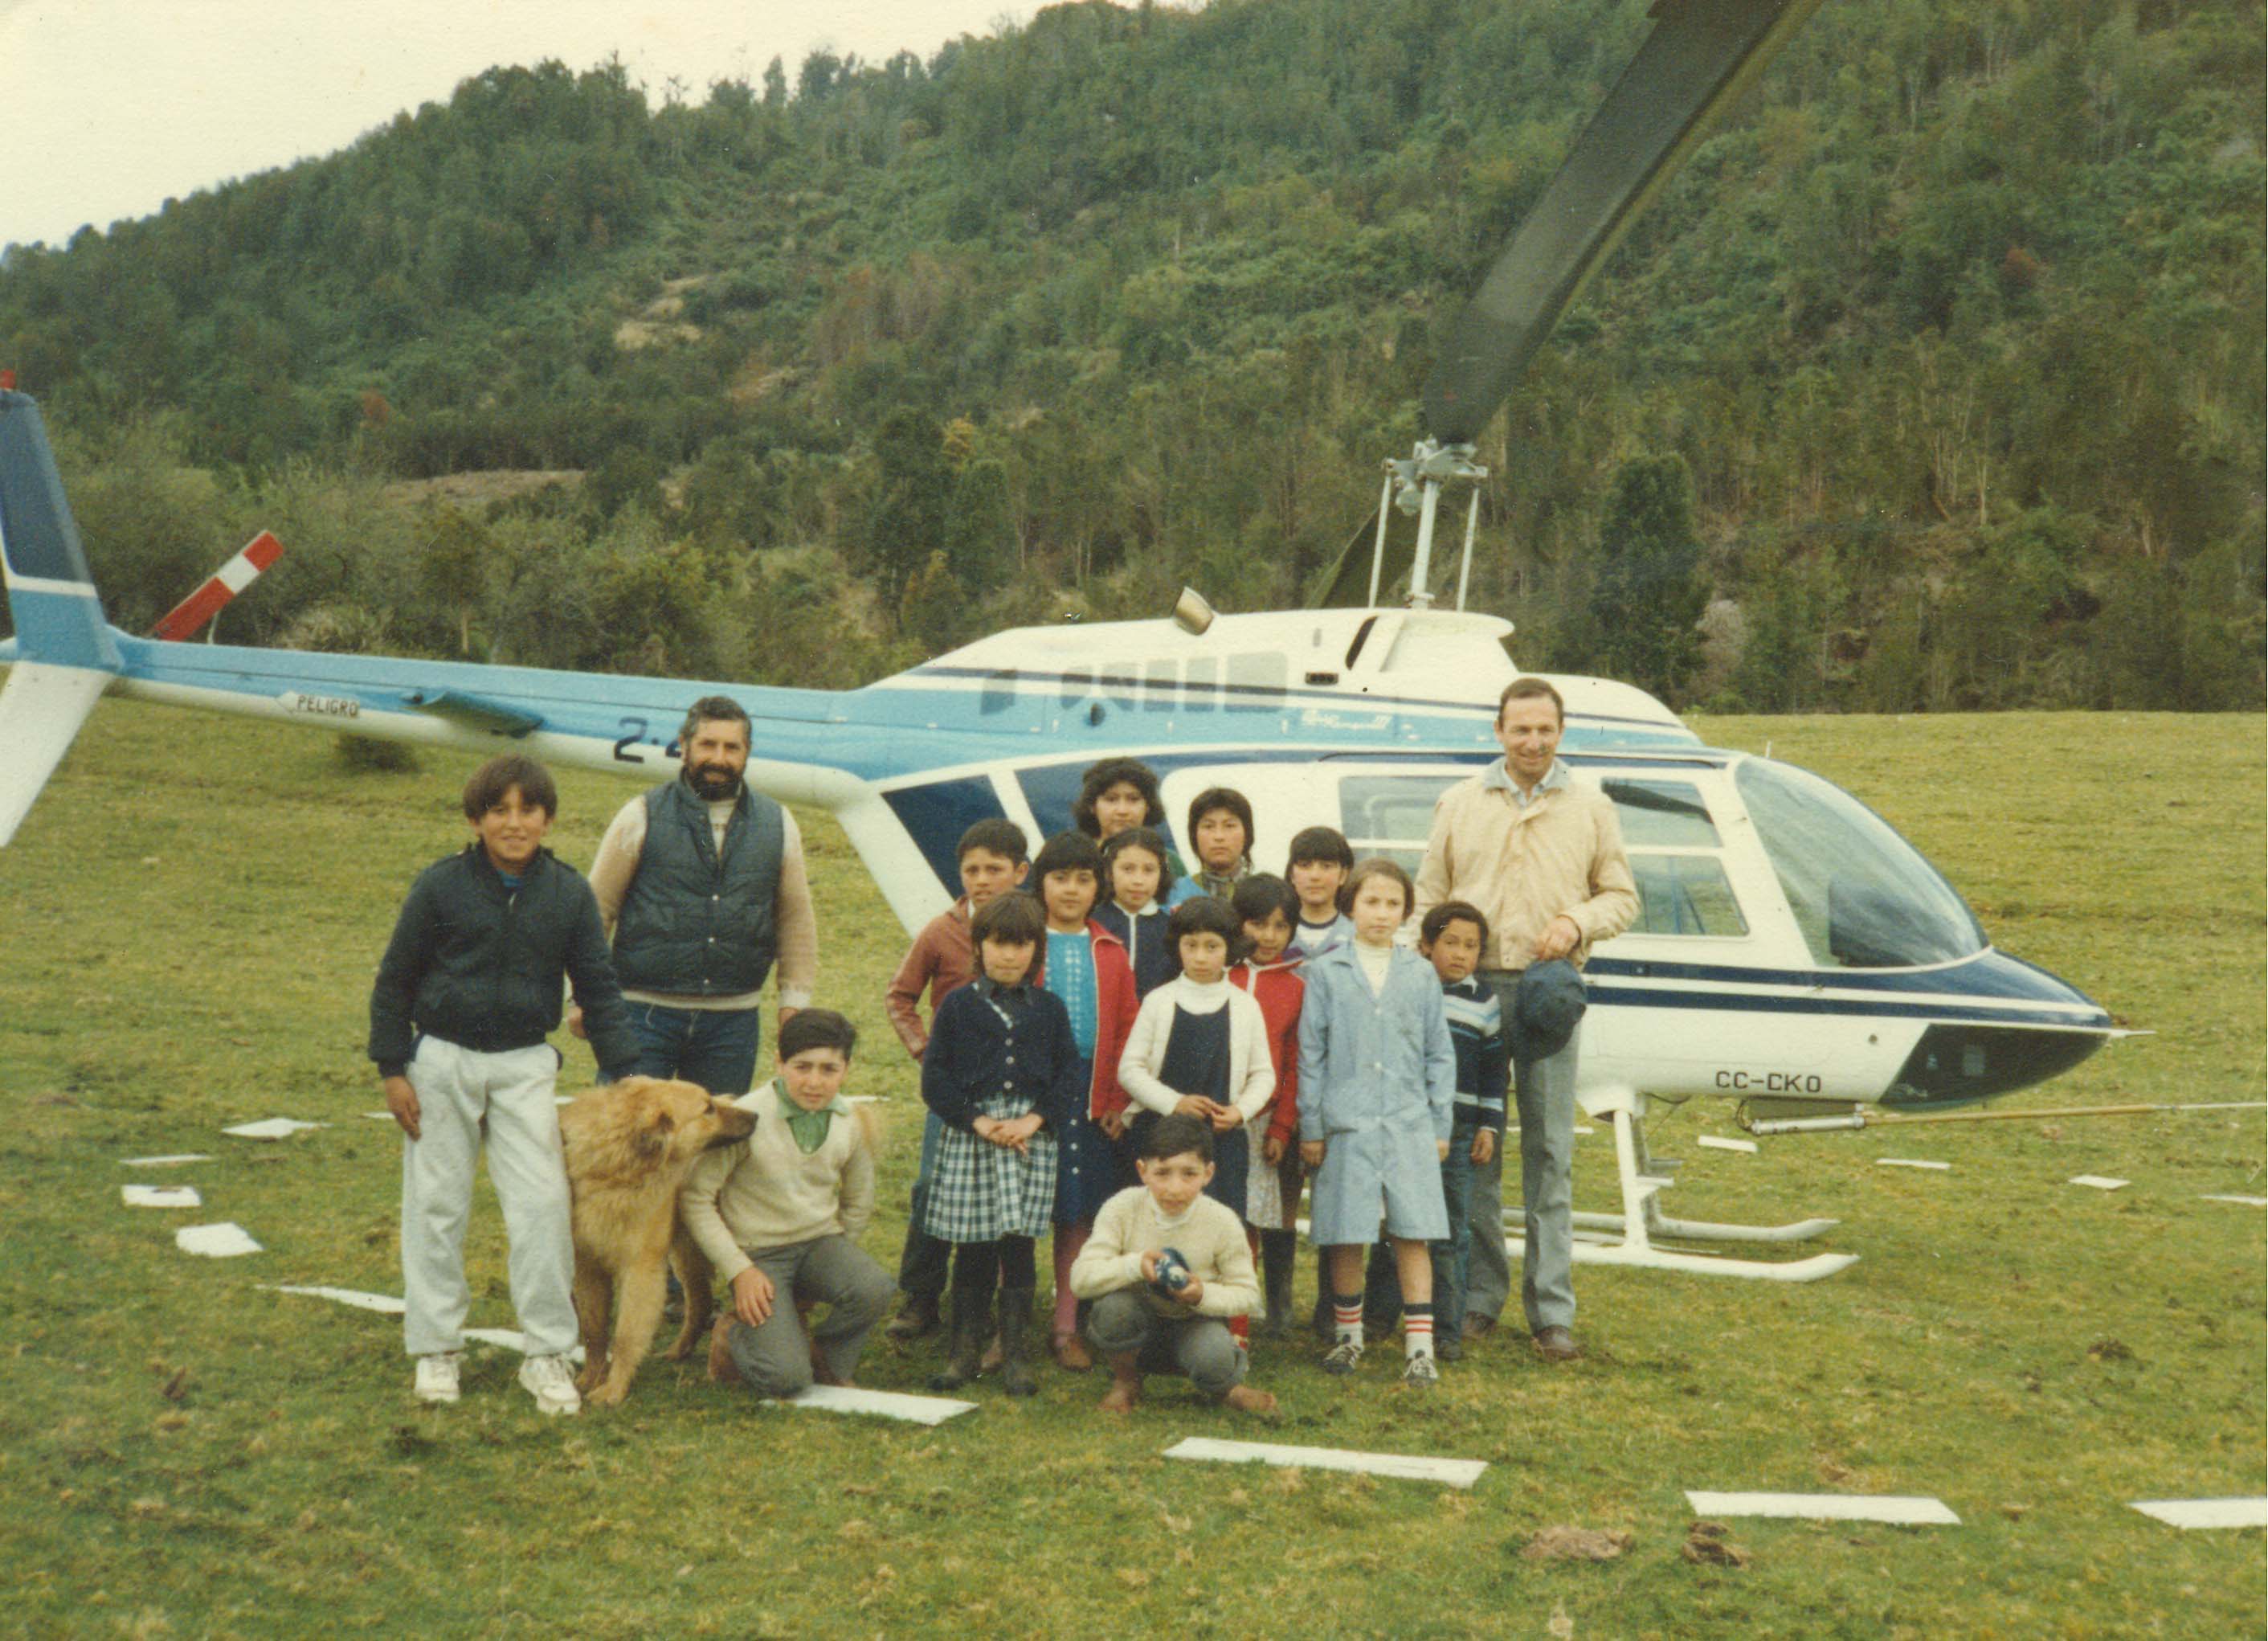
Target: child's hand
x=1483 y=1145
x=1311 y=1154
x=1192 y=1293
x=1271 y=1150
x=1440 y=1150
x=1015 y=1135
x=1226 y=1117
x=401 y=1100
x=575 y=1026
x=1195 y=1105
x=1150 y=1265
x=1113 y=1123
x=752 y=1296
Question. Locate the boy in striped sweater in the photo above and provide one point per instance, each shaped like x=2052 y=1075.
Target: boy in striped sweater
x=1452 y=937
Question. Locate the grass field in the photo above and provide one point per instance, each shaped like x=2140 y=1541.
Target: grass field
x=188 y=923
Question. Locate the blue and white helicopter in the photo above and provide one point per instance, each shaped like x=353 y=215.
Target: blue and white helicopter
x=1791 y=951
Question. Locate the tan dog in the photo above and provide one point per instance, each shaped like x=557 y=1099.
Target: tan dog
x=630 y=1145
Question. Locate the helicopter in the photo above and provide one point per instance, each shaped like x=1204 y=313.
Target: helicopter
x=1792 y=952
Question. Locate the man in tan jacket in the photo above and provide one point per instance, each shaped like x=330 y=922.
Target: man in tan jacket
x=1541 y=853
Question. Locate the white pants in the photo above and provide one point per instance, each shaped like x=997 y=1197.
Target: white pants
x=462 y=1094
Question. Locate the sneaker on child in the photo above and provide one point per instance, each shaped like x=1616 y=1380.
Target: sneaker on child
x=437 y=1377
x=1419 y=1373
x=548 y=1380
x=1346 y=1357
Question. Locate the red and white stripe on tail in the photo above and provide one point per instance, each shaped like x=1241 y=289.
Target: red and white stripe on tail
x=230 y=579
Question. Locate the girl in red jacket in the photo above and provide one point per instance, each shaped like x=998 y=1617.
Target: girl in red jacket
x=1268 y=908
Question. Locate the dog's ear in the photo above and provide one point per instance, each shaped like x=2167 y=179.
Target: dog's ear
x=654 y=1137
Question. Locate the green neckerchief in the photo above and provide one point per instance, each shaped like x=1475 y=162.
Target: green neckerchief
x=809 y=1127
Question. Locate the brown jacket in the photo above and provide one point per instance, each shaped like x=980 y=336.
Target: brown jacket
x=1561 y=855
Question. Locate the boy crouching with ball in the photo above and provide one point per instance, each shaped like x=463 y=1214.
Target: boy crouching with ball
x=1167 y=1264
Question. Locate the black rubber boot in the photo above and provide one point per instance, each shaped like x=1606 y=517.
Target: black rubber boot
x=1016 y=1375
x=971 y=1316
x=1279 y=1252
x=916 y=1318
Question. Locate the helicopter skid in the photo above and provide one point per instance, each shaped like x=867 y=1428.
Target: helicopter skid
x=1659 y=1224
x=1645 y=1256
x=1642 y=1220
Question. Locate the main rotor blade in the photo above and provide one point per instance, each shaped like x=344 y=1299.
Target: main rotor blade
x=1700 y=57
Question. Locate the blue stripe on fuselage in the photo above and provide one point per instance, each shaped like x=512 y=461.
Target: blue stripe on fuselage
x=1989 y=974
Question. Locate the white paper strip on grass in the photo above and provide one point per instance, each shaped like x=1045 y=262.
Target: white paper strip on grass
x=380 y=1116
x=2100 y=1182
x=383 y=1304
x=161 y=1196
x=1404 y=1467
x=886 y=1404
x=1907 y=1511
x=866 y=1100
x=2206 y=1512
x=2248 y=1201
x=167 y=1161
x=223 y=1241
x=511 y=1339
x=272 y=1128
x=1909 y=1162
x=1715 y=1145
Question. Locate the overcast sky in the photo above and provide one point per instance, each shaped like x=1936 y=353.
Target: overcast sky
x=112 y=105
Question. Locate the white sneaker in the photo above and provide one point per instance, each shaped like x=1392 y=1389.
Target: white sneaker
x=1345 y=1357
x=548 y=1380
x=437 y=1377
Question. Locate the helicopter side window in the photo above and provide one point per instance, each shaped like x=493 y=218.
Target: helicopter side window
x=1685 y=894
x=1122 y=682
x=1383 y=814
x=1662 y=814
x=1204 y=691
x=1161 y=682
x=1256 y=681
x=1864 y=896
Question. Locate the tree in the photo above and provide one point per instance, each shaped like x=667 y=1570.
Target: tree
x=909 y=519
x=1648 y=596
x=980 y=531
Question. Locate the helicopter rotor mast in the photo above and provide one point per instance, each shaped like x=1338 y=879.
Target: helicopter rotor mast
x=1700 y=57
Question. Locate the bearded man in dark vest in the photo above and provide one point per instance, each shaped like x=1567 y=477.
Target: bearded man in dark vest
x=702 y=886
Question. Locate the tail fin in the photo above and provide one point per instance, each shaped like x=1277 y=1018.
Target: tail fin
x=65 y=656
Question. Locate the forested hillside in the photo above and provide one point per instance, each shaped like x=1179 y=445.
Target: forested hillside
x=1941 y=365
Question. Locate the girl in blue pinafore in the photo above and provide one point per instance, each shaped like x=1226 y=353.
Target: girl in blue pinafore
x=1200 y=1046
x=1378 y=1082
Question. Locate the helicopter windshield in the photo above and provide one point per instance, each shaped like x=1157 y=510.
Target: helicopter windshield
x=1864 y=896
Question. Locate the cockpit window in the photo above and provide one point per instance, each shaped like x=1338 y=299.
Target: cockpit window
x=1864 y=896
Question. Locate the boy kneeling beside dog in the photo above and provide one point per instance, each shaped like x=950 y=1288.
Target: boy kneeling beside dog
x=778 y=1215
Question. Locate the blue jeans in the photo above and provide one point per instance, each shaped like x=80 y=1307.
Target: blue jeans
x=713 y=1048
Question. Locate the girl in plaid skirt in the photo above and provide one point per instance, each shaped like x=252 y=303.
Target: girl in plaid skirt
x=1002 y=1074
